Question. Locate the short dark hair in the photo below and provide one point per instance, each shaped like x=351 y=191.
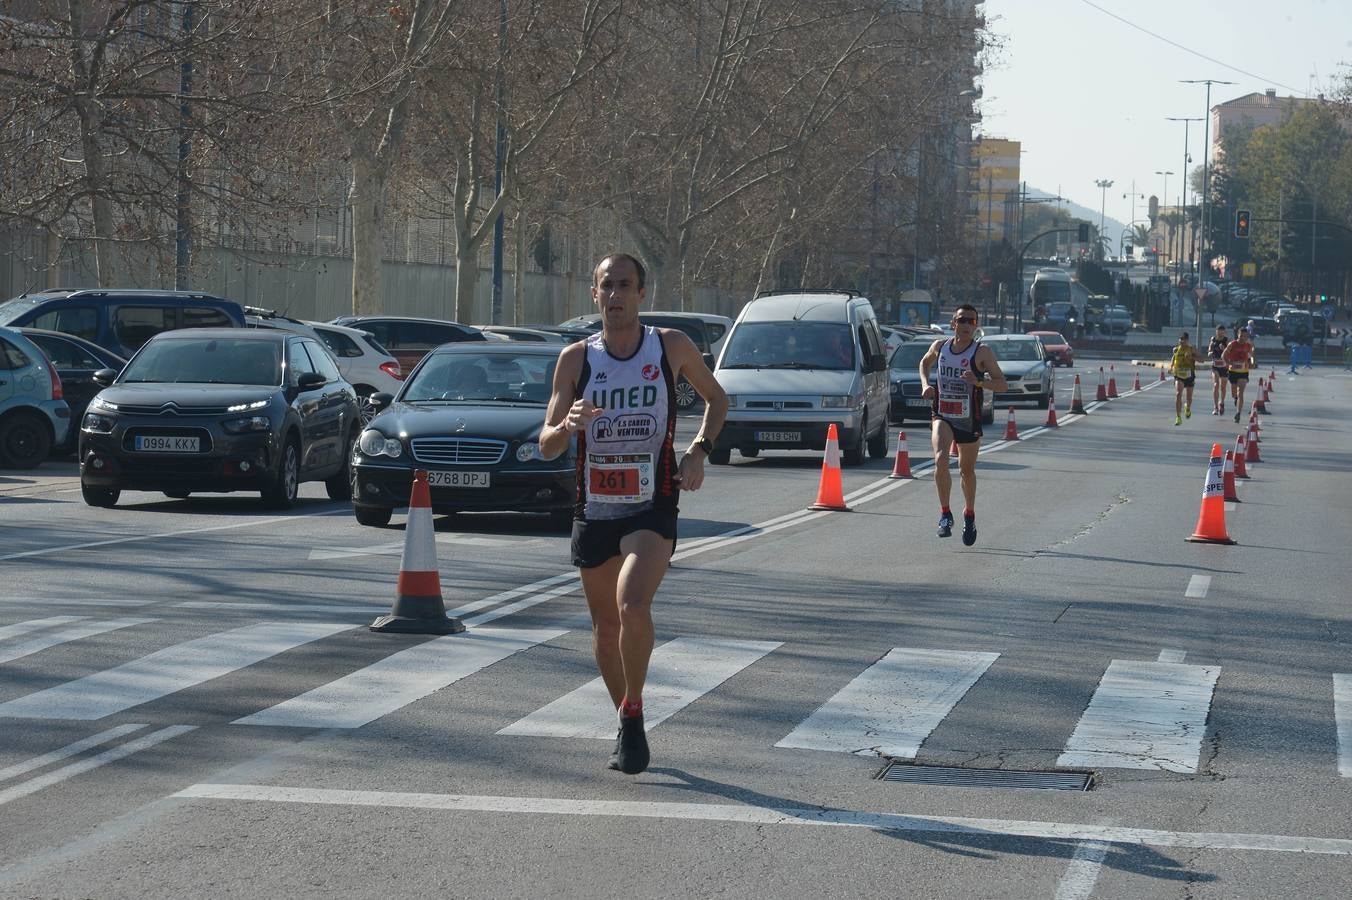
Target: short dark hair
x=614 y=257
x=1183 y=336
x=962 y=306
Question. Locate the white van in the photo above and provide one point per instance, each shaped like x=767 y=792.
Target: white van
x=796 y=362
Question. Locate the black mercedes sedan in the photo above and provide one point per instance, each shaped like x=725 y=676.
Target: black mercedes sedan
x=220 y=409
x=470 y=414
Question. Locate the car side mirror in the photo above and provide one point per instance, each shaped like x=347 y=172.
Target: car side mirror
x=105 y=377
x=878 y=363
x=708 y=359
x=310 y=380
x=379 y=400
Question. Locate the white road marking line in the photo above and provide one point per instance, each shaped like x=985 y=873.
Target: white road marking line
x=18 y=628
x=312 y=608
x=680 y=673
x=765 y=815
x=79 y=746
x=892 y=706
x=1231 y=507
x=70 y=601
x=1342 y=716
x=41 y=642
x=1198 y=585
x=399 y=679
x=168 y=534
x=32 y=786
x=1083 y=871
x=1144 y=715
x=444 y=537
x=166 y=671
x=1171 y=656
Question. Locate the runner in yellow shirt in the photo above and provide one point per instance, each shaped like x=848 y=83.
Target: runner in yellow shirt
x=1184 y=369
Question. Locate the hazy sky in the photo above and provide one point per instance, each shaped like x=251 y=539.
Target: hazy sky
x=1088 y=94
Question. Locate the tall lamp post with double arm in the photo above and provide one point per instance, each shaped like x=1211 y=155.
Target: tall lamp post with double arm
x=1103 y=184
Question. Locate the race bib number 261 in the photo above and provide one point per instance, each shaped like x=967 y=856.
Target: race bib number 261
x=620 y=478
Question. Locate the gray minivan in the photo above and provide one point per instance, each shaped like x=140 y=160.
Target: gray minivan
x=796 y=362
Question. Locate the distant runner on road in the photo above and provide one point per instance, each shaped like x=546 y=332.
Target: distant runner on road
x=1183 y=366
x=1238 y=359
x=955 y=412
x=616 y=391
x=1219 y=379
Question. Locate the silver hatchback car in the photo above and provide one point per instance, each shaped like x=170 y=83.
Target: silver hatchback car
x=34 y=416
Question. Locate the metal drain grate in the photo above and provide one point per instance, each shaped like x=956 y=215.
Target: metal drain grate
x=952 y=776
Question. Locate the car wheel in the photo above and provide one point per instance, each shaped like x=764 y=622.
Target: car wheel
x=877 y=445
x=372 y=515
x=750 y=452
x=854 y=455
x=24 y=441
x=339 y=485
x=686 y=395
x=281 y=493
x=988 y=418
x=721 y=456
x=1044 y=400
x=100 y=496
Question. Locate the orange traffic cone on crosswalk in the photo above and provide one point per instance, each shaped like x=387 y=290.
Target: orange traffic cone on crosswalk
x=1251 y=448
x=1136 y=385
x=1076 y=401
x=1051 y=412
x=418 y=607
x=902 y=467
x=1102 y=394
x=1112 y=383
x=830 y=494
x=1241 y=470
x=1211 y=519
x=1011 y=432
x=1231 y=493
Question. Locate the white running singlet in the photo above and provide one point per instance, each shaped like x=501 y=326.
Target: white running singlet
x=955 y=401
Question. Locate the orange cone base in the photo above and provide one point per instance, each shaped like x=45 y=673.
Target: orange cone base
x=1051 y=418
x=418 y=615
x=1203 y=539
x=831 y=507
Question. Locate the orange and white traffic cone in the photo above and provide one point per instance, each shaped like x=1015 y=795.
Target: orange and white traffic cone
x=1011 y=432
x=1112 y=383
x=418 y=607
x=1051 y=413
x=1211 y=519
x=1260 y=404
x=1251 y=448
x=1161 y=373
x=830 y=494
x=1272 y=373
x=902 y=467
x=1102 y=394
x=1076 y=401
x=1231 y=493
x=1241 y=470
x=1255 y=426
x=1136 y=385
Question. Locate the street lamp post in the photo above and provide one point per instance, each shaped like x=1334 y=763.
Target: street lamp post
x=1204 y=259
x=1165 y=195
x=1104 y=184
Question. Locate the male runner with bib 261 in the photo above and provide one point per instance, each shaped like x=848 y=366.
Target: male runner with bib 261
x=955 y=412
x=616 y=391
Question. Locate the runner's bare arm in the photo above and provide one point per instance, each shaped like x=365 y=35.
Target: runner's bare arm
x=926 y=363
x=688 y=361
x=993 y=379
x=565 y=414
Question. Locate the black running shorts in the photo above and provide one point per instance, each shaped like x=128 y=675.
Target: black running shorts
x=1186 y=382
x=596 y=541
x=1237 y=377
x=961 y=435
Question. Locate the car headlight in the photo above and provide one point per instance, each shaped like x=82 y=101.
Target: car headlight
x=93 y=422
x=248 y=407
x=845 y=401
x=529 y=452
x=247 y=424
x=100 y=403
x=732 y=401
x=373 y=443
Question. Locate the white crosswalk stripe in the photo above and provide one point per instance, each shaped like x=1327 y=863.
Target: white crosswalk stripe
x=680 y=673
x=398 y=680
x=9 y=632
x=1144 y=715
x=165 y=671
x=17 y=650
x=1342 y=715
x=894 y=704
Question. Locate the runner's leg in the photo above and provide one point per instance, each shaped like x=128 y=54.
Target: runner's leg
x=646 y=556
x=941 y=438
x=600 y=585
x=967 y=454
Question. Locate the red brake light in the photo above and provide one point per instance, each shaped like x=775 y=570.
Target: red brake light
x=392 y=369
x=57 y=393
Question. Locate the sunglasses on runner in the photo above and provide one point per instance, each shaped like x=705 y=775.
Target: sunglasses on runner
x=964 y=320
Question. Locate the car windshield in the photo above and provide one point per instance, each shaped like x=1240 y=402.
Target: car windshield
x=1051 y=340
x=1050 y=290
x=908 y=356
x=11 y=309
x=1014 y=350
x=482 y=377
x=790 y=345
x=206 y=361
x=1058 y=309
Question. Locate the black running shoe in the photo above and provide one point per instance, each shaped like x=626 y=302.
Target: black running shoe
x=969 y=530
x=632 y=757
x=945 y=525
x=615 y=753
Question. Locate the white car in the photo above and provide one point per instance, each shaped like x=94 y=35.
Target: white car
x=364 y=364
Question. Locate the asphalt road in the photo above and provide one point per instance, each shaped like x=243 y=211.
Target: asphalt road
x=190 y=703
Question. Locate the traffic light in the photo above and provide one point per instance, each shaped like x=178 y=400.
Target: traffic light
x=1084 y=234
x=1241 y=223
x=1128 y=250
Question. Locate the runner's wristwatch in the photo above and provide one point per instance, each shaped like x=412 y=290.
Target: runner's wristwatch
x=704 y=444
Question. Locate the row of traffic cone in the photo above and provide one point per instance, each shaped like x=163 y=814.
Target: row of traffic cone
x=1220 y=486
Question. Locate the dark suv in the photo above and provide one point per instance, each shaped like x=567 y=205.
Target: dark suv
x=120 y=320
x=220 y=410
